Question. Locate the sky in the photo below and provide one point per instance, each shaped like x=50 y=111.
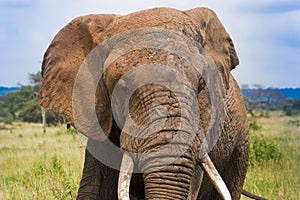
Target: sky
x=266 y=34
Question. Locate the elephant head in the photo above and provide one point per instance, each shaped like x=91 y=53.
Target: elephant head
x=150 y=73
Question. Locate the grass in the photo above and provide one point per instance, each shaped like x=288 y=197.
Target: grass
x=38 y=166
x=277 y=175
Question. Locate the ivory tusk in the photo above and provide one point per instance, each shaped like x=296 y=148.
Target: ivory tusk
x=125 y=177
x=217 y=180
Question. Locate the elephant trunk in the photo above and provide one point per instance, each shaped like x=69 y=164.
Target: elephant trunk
x=165 y=176
x=171 y=181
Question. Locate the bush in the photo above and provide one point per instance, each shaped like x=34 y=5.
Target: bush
x=55 y=118
x=263 y=150
x=292 y=108
x=287 y=110
x=254 y=125
x=5 y=115
x=294 y=123
x=3 y=127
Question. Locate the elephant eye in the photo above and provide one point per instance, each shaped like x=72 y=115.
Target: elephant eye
x=203 y=24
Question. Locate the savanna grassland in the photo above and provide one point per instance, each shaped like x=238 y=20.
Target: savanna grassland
x=274 y=167
x=38 y=166
x=34 y=165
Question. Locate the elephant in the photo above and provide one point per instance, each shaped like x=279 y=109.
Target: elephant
x=154 y=93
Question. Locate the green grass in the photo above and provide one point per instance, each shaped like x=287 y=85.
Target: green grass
x=38 y=166
x=275 y=174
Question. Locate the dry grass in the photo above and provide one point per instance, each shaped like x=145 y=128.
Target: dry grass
x=38 y=166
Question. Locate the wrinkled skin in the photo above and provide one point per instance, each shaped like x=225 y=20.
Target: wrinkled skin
x=184 y=179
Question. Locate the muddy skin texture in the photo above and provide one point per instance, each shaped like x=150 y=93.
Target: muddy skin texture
x=152 y=104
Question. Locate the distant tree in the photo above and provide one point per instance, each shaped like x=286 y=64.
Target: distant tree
x=31 y=112
x=40 y=113
x=54 y=118
x=15 y=101
x=292 y=107
x=5 y=115
x=260 y=98
x=23 y=104
x=35 y=79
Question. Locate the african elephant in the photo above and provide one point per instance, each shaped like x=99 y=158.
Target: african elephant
x=153 y=92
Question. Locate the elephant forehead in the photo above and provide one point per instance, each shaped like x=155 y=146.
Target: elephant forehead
x=158 y=17
x=150 y=57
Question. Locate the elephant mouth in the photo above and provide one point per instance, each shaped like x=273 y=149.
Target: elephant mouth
x=205 y=162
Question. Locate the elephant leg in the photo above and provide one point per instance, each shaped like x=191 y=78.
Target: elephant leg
x=98 y=180
x=235 y=173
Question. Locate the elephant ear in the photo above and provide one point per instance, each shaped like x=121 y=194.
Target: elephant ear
x=216 y=41
x=61 y=65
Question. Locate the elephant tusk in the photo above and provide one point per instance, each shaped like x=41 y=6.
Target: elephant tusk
x=125 y=177
x=217 y=180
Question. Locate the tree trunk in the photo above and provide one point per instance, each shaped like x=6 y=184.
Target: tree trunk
x=44 y=119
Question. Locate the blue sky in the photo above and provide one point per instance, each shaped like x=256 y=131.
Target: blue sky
x=266 y=34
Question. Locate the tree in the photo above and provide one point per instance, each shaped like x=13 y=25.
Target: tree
x=260 y=98
x=31 y=112
x=15 y=101
x=53 y=118
x=292 y=107
x=23 y=104
x=5 y=115
x=36 y=80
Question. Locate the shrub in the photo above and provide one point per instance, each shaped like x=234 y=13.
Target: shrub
x=3 y=127
x=5 y=115
x=292 y=107
x=254 y=125
x=263 y=150
x=294 y=123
